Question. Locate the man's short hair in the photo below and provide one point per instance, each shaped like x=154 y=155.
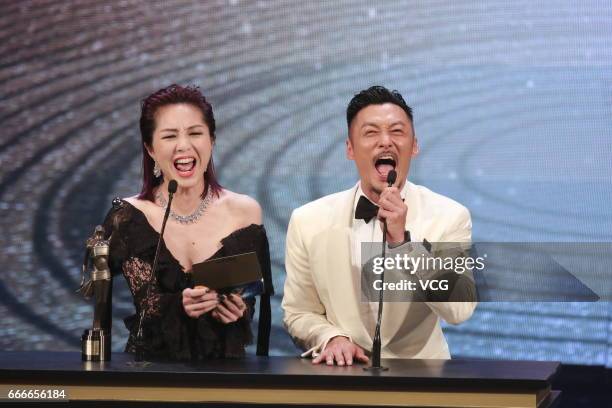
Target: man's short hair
x=375 y=95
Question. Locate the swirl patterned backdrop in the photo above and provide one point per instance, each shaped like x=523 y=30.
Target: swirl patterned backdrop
x=512 y=106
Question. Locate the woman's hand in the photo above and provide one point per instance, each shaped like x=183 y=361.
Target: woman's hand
x=229 y=309
x=198 y=301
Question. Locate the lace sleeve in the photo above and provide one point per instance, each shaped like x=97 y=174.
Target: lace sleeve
x=122 y=228
x=138 y=275
x=167 y=330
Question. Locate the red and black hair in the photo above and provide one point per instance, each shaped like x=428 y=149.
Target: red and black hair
x=150 y=105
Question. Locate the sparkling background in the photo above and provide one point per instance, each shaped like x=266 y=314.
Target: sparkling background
x=512 y=109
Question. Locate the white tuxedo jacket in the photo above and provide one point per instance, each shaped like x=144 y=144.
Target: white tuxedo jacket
x=321 y=297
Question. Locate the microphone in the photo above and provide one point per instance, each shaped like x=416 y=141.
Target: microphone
x=376 y=342
x=172 y=187
x=391 y=177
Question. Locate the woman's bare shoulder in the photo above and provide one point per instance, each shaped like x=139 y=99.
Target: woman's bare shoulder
x=138 y=203
x=242 y=206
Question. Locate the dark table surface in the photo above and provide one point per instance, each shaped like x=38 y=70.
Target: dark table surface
x=67 y=367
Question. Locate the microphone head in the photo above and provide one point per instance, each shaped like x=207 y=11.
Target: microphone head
x=391 y=177
x=172 y=186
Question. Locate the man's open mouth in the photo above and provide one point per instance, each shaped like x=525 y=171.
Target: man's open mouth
x=385 y=163
x=185 y=164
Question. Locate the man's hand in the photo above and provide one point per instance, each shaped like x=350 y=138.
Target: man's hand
x=198 y=301
x=342 y=351
x=394 y=210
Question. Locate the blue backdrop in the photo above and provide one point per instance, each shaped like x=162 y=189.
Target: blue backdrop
x=512 y=110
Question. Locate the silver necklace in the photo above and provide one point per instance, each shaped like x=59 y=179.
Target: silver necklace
x=191 y=218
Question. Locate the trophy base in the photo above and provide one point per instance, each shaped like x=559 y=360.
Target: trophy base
x=95 y=345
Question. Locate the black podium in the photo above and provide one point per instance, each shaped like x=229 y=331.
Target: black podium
x=283 y=381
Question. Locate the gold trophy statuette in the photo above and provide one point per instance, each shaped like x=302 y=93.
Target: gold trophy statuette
x=95 y=342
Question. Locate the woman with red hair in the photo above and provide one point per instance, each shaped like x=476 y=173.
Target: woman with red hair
x=206 y=221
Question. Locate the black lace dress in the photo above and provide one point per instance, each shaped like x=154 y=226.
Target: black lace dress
x=168 y=333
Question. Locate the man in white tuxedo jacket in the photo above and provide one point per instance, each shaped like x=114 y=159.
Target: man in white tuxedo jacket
x=323 y=308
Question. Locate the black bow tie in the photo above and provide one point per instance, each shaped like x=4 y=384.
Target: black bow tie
x=366 y=210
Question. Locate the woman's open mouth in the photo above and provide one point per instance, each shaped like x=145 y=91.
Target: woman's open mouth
x=185 y=166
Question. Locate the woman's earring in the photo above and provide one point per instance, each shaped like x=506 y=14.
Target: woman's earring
x=156 y=170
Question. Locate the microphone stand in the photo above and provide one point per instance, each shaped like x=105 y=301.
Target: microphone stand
x=376 y=342
x=139 y=358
